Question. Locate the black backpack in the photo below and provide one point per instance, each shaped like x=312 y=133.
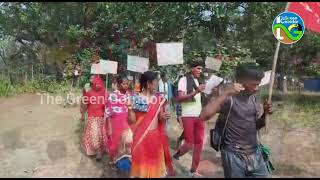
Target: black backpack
x=217 y=134
x=175 y=91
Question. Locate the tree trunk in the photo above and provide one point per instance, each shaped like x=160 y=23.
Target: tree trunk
x=32 y=72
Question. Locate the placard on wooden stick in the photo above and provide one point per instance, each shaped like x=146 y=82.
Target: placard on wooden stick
x=137 y=64
x=104 y=67
x=169 y=53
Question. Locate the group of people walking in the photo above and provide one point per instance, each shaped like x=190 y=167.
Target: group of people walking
x=131 y=127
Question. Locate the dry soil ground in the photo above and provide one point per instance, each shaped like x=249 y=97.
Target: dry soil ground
x=42 y=140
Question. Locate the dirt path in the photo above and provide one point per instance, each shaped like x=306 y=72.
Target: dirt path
x=42 y=140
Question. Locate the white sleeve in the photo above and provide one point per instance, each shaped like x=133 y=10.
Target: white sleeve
x=182 y=85
x=161 y=88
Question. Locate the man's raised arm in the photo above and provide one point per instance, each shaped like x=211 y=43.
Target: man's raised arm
x=214 y=106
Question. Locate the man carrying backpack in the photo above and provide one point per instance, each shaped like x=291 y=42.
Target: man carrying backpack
x=241 y=116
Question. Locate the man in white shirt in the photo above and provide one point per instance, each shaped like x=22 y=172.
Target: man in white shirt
x=164 y=86
x=189 y=94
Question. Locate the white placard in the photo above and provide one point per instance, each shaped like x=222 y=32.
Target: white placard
x=137 y=64
x=213 y=82
x=213 y=63
x=104 y=67
x=130 y=78
x=266 y=79
x=76 y=73
x=169 y=53
x=96 y=69
x=110 y=67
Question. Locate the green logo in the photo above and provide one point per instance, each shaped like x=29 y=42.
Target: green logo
x=288 y=27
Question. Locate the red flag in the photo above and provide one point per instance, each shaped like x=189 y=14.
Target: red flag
x=309 y=12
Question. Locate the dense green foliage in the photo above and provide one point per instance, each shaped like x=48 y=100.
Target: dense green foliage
x=54 y=39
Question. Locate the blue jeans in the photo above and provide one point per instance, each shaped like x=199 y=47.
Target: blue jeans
x=237 y=165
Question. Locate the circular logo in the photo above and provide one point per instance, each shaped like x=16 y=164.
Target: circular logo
x=288 y=27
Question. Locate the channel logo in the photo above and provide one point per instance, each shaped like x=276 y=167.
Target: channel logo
x=288 y=27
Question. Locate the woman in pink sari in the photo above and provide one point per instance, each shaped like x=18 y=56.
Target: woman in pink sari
x=150 y=149
x=94 y=134
x=117 y=116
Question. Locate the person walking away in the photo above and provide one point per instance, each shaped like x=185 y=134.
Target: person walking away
x=238 y=105
x=150 y=148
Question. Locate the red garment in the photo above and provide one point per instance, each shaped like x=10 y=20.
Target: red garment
x=194 y=131
x=117 y=111
x=309 y=12
x=93 y=139
x=95 y=132
x=95 y=98
x=150 y=148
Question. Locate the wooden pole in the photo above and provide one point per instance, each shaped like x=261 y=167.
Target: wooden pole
x=274 y=66
x=275 y=59
x=106 y=81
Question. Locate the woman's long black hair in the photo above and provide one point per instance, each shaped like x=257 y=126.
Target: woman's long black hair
x=147 y=77
x=120 y=78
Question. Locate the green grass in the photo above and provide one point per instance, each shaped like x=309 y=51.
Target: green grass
x=40 y=84
x=6 y=89
x=296 y=116
x=295 y=110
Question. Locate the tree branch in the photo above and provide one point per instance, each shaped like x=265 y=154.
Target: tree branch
x=155 y=10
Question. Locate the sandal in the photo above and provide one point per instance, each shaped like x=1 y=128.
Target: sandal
x=195 y=175
x=176 y=156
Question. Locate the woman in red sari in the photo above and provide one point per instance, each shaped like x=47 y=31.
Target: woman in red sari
x=150 y=149
x=94 y=134
x=117 y=116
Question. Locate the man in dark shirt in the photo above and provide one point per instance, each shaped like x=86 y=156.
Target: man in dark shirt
x=241 y=156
